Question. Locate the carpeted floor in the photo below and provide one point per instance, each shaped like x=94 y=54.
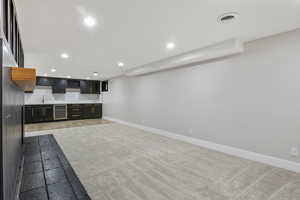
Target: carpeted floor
x=117 y=162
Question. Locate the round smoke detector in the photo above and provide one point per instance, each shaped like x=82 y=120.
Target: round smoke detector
x=228 y=17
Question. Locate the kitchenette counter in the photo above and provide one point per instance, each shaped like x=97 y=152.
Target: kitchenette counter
x=62 y=102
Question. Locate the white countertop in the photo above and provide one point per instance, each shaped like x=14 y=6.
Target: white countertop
x=64 y=102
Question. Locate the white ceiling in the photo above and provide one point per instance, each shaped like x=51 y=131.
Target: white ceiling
x=136 y=31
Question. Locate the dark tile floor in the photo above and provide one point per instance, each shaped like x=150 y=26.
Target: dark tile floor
x=47 y=174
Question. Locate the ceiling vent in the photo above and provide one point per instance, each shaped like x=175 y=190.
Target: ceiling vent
x=228 y=17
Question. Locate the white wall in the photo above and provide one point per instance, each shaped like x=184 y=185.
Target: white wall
x=250 y=101
x=71 y=96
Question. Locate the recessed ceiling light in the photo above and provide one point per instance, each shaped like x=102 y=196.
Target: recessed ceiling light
x=89 y=21
x=45 y=74
x=95 y=73
x=64 y=56
x=170 y=45
x=53 y=70
x=88 y=77
x=121 y=64
x=68 y=76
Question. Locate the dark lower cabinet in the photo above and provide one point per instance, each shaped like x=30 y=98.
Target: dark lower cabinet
x=44 y=113
x=91 y=111
x=84 y=111
x=74 y=111
x=38 y=113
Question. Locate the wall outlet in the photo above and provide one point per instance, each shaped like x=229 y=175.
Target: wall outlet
x=294 y=152
x=191 y=131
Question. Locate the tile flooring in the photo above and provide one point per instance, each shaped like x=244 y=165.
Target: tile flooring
x=47 y=174
x=63 y=124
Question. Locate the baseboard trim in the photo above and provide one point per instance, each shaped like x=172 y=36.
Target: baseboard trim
x=269 y=160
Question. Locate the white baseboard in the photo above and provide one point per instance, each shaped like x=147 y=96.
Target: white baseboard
x=269 y=160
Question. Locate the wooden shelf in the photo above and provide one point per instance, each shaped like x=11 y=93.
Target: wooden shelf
x=24 y=78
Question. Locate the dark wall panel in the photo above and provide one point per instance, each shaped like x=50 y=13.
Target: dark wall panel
x=11 y=133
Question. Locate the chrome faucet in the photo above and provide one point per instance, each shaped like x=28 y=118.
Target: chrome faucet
x=43 y=100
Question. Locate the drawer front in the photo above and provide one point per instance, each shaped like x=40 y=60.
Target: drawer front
x=74 y=116
x=74 y=105
x=74 y=110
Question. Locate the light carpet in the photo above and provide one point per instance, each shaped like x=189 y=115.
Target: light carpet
x=117 y=162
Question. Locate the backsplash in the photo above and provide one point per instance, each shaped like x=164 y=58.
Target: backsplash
x=71 y=96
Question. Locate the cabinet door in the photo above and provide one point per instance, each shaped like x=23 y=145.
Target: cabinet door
x=86 y=111
x=97 y=87
x=104 y=86
x=59 y=86
x=37 y=114
x=28 y=114
x=95 y=111
x=43 y=81
x=75 y=111
x=73 y=83
x=47 y=113
x=98 y=111
x=85 y=87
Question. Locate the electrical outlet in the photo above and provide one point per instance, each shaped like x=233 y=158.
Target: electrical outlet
x=294 y=151
x=191 y=131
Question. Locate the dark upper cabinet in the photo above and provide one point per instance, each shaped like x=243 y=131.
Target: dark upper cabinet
x=72 y=83
x=104 y=86
x=85 y=87
x=96 y=87
x=43 y=81
x=89 y=87
x=59 y=86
